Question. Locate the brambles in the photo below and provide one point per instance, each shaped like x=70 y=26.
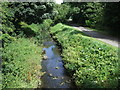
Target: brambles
x=92 y=63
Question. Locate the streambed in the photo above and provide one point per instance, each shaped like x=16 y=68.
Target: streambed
x=55 y=74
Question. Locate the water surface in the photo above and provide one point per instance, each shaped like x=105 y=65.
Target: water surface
x=56 y=75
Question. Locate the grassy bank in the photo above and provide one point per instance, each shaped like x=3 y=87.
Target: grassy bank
x=22 y=57
x=21 y=64
x=92 y=63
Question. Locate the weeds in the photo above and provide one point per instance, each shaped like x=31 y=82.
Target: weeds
x=92 y=63
x=21 y=64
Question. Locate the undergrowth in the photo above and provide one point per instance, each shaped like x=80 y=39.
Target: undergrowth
x=21 y=64
x=21 y=59
x=92 y=63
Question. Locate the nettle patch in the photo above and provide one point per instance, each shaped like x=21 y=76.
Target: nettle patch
x=92 y=63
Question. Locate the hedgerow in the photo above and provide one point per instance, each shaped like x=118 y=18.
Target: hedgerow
x=21 y=64
x=92 y=63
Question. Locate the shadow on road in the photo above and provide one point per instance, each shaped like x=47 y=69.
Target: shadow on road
x=105 y=38
x=94 y=34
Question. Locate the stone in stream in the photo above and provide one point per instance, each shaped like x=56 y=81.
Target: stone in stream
x=45 y=57
x=50 y=75
x=43 y=51
x=55 y=77
x=68 y=81
x=62 y=83
x=56 y=67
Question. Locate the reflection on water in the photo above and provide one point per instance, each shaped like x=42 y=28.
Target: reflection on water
x=55 y=76
x=49 y=51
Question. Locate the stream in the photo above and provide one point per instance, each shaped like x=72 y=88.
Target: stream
x=55 y=74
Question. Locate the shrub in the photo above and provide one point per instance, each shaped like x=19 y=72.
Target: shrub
x=92 y=63
x=6 y=25
x=39 y=31
x=46 y=24
x=62 y=13
x=30 y=30
x=32 y=12
x=88 y=11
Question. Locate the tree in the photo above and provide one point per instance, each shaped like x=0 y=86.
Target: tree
x=32 y=12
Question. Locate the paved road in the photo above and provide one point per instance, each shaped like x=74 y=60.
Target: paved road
x=107 y=39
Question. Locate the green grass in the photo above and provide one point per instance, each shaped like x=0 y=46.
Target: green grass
x=90 y=62
x=21 y=64
x=22 y=57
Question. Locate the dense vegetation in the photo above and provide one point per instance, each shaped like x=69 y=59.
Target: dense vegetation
x=22 y=58
x=91 y=62
x=20 y=64
x=22 y=47
x=25 y=26
x=97 y=15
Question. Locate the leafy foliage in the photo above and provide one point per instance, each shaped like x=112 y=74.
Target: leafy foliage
x=39 y=31
x=32 y=12
x=21 y=60
x=6 y=24
x=103 y=16
x=62 y=13
x=30 y=30
x=92 y=63
x=89 y=14
x=20 y=64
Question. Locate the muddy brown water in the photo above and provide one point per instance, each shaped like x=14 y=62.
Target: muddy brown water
x=56 y=75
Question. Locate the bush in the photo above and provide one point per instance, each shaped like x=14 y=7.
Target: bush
x=46 y=24
x=62 y=13
x=88 y=11
x=30 y=30
x=92 y=63
x=39 y=31
x=6 y=25
x=21 y=64
x=43 y=33
x=32 y=12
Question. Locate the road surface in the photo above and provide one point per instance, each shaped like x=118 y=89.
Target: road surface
x=107 y=39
